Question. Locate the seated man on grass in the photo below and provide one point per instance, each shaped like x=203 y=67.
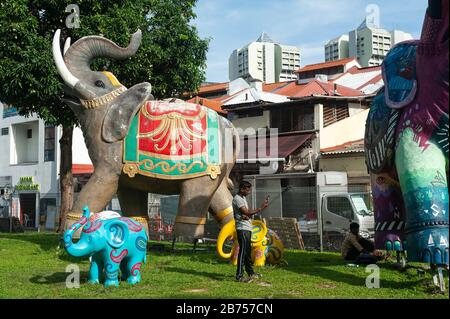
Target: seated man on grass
x=357 y=249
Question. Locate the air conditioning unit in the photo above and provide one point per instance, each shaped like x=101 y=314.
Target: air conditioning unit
x=5 y=192
x=322 y=78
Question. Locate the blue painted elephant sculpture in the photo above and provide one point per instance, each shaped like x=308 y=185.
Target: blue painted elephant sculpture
x=115 y=244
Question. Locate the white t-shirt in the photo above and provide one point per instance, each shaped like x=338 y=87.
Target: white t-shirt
x=241 y=224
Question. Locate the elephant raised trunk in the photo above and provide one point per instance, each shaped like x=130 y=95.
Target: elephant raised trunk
x=77 y=58
x=79 y=249
x=80 y=55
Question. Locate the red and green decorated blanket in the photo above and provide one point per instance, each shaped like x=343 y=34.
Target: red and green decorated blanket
x=173 y=140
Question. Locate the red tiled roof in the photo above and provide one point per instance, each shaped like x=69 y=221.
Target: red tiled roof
x=78 y=169
x=339 y=90
x=325 y=65
x=222 y=98
x=291 y=89
x=355 y=70
x=316 y=87
x=274 y=86
x=212 y=104
x=216 y=87
x=352 y=146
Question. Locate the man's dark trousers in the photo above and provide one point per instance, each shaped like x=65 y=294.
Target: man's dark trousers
x=355 y=255
x=245 y=253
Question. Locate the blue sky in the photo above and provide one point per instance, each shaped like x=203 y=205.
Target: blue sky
x=307 y=24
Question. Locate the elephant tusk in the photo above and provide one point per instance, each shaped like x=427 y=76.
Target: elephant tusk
x=63 y=71
x=66 y=45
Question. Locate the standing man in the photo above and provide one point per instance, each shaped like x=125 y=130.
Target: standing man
x=242 y=217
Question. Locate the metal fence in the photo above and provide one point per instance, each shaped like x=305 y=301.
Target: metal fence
x=324 y=214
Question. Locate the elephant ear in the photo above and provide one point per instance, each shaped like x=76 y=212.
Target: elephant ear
x=122 y=110
x=117 y=233
x=399 y=75
x=259 y=231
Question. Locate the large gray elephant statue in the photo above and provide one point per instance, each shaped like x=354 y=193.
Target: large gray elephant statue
x=139 y=146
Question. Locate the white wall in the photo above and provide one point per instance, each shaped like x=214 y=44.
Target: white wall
x=79 y=151
x=355 y=166
x=347 y=130
x=355 y=108
x=269 y=63
x=253 y=122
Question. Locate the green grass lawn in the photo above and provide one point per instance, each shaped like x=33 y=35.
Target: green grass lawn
x=32 y=266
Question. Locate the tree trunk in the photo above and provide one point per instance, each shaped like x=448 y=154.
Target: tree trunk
x=65 y=175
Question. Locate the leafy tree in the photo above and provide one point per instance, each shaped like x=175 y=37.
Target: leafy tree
x=172 y=56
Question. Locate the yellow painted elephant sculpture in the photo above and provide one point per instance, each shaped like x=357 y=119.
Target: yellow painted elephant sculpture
x=267 y=247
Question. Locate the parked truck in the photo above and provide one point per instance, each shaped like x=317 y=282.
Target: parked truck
x=321 y=203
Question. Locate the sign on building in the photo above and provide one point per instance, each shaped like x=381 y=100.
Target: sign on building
x=26 y=183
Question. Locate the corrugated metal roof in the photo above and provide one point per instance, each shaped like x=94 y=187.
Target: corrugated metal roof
x=325 y=65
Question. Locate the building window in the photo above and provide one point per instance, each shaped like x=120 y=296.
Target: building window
x=340 y=206
x=5 y=131
x=49 y=213
x=334 y=113
x=49 y=144
x=293 y=119
x=25 y=143
x=251 y=113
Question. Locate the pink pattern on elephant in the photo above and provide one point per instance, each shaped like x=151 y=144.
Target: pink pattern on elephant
x=133 y=225
x=117 y=259
x=135 y=269
x=94 y=225
x=82 y=221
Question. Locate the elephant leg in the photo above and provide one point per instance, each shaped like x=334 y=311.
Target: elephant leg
x=422 y=172
x=124 y=269
x=111 y=273
x=134 y=270
x=95 y=270
x=96 y=194
x=221 y=204
x=389 y=211
x=134 y=203
x=195 y=198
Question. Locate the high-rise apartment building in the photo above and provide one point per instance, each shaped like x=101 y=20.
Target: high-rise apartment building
x=369 y=43
x=337 y=48
x=264 y=60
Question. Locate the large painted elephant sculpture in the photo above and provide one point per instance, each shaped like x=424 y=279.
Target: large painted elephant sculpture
x=115 y=244
x=139 y=146
x=267 y=248
x=406 y=144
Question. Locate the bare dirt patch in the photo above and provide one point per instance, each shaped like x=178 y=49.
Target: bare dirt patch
x=326 y=286
x=196 y=290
